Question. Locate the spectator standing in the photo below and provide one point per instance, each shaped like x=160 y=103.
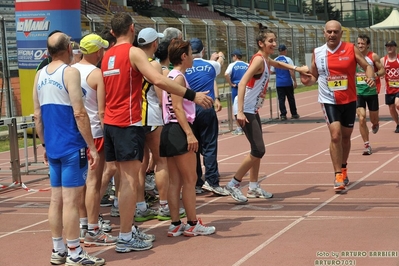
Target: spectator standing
x=202 y=78
x=285 y=84
x=233 y=75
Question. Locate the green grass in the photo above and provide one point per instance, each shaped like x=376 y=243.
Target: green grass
x=5 y=144
x=299 y=89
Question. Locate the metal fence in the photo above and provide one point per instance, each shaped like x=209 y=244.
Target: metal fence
x=217 y=35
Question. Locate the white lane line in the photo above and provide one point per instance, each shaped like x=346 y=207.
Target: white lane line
x=23 y=228
x=281 y=232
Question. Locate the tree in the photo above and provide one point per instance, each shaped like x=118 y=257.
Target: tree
x=333 y=13
x=380 y=15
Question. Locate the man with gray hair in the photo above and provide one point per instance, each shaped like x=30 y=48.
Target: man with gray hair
x=202 y=78
x=172 y=33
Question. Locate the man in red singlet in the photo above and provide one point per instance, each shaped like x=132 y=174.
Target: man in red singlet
x=391 y=64
x=334 y=67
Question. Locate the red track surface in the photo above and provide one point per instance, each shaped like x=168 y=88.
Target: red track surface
x=305 y=221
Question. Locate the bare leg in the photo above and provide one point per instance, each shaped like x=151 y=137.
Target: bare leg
x=129 y=175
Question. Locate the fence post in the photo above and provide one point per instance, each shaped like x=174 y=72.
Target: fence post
x=229 y=110
x=14 y=151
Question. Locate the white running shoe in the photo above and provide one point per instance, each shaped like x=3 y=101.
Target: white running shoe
x=199 y=229
x=236 y=193
x=259 y=193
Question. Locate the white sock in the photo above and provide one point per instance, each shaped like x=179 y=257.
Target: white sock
x=253 y=185
x=116 y=205
x=125 y=236
x=83 y=221
x=142 y=206
x=74 y=248
x=58 y=244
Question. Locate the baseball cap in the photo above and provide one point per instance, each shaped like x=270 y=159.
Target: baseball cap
x=91 y=43
x=282 y=47
x=196 y=45
x=148 y=35
x=391 y=43
x=236 y=52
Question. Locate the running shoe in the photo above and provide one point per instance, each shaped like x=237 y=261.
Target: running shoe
x=295 y=116
x=114 y=211
x=283 y=118
x=106 y=202
x=100 y=217
x=149 y=181
x=238 y=131
x=258 y=192
x=236 y=193
x=339 y=183
x=103 y=225
x=176 y=230
x=82 y=234
x=367 y=149
x=150 y=199
x=141 y=235
x=58 y=258
x=217 y=190
x=164 y=213
x=375 y=128
x=84 y=259
x=134 y=244
x=199 y=229
x=198 y=190
x=99 y=239
x=345 y=175
x=148 y=214
x=397 y=129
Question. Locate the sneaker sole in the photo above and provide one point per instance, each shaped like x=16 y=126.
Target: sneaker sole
x=95 y=244
x=260 y=197
x=167 y=218
x=126 y=250
x=174 y=234
x=143 y=219
x=239 y=200
x=340 y=188
x=189 y=234
x=57 y=262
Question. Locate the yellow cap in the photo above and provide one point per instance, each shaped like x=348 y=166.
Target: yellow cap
x=91 y=43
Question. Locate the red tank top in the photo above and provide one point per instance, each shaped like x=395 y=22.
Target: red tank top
x=122 y=87
x=391 y=75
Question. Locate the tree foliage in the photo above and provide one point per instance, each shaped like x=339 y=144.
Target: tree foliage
x=333 y=12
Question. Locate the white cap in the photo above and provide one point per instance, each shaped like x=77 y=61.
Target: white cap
x=148 y=35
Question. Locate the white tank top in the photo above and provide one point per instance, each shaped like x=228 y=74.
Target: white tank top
x=255 y=90
x=91 y=103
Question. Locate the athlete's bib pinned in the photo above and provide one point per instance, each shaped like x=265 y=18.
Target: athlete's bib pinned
x=393 y=83
x=337 y=83
x=361 y=78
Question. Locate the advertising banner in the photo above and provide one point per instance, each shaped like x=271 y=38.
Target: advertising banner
x=35 y=19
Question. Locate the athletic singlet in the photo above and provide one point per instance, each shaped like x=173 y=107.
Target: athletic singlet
x=256 y=88
x=61 y=133
x=391 y=75
x=337 y=71
x=91 y=103
x=169 y=114
x=122 y=88
x=361 y=86
x=151 y=112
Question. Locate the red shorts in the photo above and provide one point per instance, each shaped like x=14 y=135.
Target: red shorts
x=99 y=143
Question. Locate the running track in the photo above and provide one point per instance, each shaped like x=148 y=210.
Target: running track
x=304 y=223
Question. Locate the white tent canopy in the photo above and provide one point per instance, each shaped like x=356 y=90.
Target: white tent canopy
x=391 y=22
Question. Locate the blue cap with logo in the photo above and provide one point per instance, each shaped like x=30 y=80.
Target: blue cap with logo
x=236 y=52
x=282 y=47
